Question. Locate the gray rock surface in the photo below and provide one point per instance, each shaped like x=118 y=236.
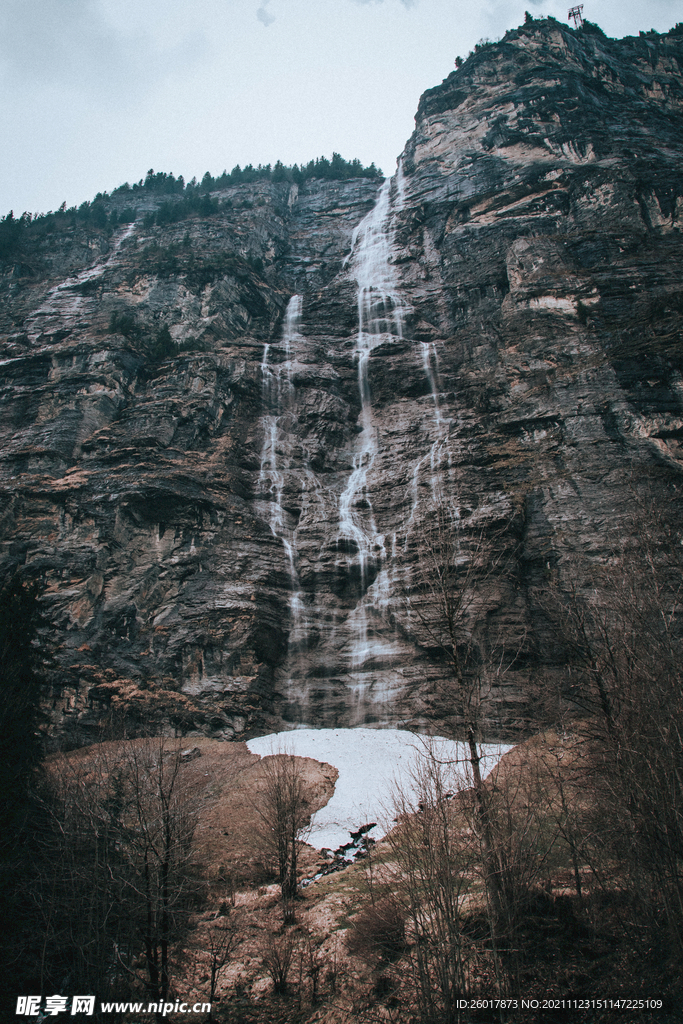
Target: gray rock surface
x=227 y=534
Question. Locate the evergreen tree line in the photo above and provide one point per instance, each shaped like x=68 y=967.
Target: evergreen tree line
x=336 y=169
x=192 y=197
x=22 y=680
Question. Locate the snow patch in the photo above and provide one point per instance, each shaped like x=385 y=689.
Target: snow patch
x=370 y=763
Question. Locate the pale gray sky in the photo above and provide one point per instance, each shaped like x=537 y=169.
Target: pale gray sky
x=95 y=92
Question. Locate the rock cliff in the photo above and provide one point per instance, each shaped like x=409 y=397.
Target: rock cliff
x=227 y=523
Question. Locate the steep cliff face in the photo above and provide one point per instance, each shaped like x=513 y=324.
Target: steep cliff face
x=227 y=528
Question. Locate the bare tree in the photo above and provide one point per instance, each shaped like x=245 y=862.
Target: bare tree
x=214 y=947
x=459 y=574
x=156 y=830
x=277 y=953
x=74 y=894
x=622 y=630
x=458 y=577
x=285 y=821
x=433 y=858
x=122 y=824
x=313 y=961
x=529 y=828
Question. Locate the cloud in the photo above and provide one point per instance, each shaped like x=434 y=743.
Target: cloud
x=406 y=3
x=263 y=16
x=266 y=18
x=69 y=44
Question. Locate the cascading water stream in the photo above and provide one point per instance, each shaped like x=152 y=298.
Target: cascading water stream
x=440 y=430
x=277 y=392
x=366 y=560
x=381 y=313
x=430 y=363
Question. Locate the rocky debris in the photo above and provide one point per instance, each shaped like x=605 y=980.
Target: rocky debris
x=344 y=855
x=225 y=561
x=190 y=754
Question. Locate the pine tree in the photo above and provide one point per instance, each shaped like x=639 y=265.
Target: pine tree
x=20 y=691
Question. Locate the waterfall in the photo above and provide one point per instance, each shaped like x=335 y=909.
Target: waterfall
x=277 y=395
x=366 y=563
x=380 y=317
x=381 y=314
x=430 y=363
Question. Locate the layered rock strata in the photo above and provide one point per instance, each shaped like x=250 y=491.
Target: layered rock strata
x=228 y=531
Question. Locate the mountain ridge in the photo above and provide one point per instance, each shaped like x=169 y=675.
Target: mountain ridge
x=221 y=437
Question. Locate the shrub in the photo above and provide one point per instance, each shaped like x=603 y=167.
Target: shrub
x=162 y=347
x=277 y=954
x=124 y=323
x=378 y=932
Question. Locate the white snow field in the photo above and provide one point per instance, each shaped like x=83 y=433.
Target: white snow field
x=370 y=762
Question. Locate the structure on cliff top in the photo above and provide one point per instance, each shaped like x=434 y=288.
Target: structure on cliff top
x=576 y=14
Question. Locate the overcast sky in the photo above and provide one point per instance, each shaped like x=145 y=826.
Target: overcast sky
x=96 y=92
